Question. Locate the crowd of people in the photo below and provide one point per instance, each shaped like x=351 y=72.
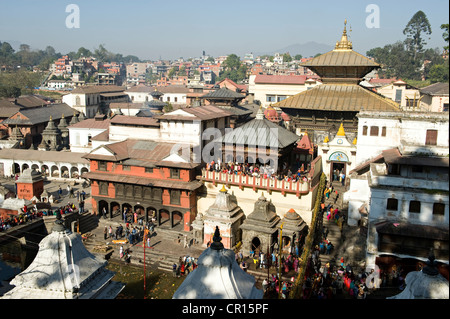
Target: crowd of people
x=261 y=171
x=186 y=264
x=30 y=213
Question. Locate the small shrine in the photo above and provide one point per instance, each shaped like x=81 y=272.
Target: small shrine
x=260 y=229
x=294 y=232
x=64 y=269
x=225 y=214
x=338 y=155
x=29 y=184
x=51 y=137
x=218 y=276
x=64 y=133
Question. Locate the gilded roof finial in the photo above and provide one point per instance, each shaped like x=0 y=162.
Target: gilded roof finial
x=341 y=131
x=344 y=44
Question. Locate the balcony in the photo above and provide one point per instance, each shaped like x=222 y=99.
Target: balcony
x=301 y=187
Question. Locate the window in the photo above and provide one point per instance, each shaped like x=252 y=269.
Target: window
x=174 y=173
x=417 y=169
x=175 y=197
x=438 y=212
x=126 y=167
x=175 y=99
x=383 y=131
x=102 y=165
x=431 y=138
x=392 y=204
x=445 y=109
x=374 y=131
x=270 y=98
x=364 y=132
x=103 y=188
x=398 y=96
x=281 y=98
x=149 y=169
x=411 y=102
x=89 y=139
x=414 y=206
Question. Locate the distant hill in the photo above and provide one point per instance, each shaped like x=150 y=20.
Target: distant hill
x=307 y=49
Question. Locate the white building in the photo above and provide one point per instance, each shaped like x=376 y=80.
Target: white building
x=88 y=99
x=270 y=89
x=399 y=189
x=174 y=94
x=407 y=96
x=435 y=97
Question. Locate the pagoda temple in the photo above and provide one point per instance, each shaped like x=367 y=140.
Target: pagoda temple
x=323 y=108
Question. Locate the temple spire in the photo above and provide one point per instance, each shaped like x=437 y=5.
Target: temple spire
x=217 y=240
x=344 y=44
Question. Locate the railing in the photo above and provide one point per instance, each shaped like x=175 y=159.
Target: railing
x=269 y=184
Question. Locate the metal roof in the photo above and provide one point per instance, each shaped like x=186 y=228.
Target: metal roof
x=260 y=133
x=339 y=97
x=341 y=58
x=39 y=115
x=223 y=93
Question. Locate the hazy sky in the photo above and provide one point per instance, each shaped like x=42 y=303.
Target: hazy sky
x=183 y=28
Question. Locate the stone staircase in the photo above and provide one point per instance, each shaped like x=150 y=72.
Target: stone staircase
x=334 y=232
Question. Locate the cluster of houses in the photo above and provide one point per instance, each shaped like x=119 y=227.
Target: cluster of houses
x=390 y=140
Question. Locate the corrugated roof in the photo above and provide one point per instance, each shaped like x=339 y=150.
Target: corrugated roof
x=144 y=153
x=203 y=113
x=283 y=79
x=92 y=123
x=338 y=97
x=435 y=89
x=223 y=93
x=134 y=120
x=44 y=156
x=98 y=89
x=260 y=133
x=138 y=180
x=42 y=114
x=340 y=58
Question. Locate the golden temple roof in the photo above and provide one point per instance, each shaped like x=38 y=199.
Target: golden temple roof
x=339 y=97
x=342 y=55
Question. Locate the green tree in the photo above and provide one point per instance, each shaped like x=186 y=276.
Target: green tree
x=287 y=57
x=416 y=28
x=438 y=73
x=233 y=69
x=445 y=35
x=298 y=57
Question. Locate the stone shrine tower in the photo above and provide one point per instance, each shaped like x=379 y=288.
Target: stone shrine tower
x=51 y=138
x=227 y=215
x=260 y=229
x=29 y=184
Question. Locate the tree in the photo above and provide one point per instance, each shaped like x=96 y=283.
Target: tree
x=438 y=73
x=287 y=57
x=445 y=35
x=414 y=30
x=233 y=69
x=298 y=57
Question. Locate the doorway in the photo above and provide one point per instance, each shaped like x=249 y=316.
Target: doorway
x=340 y=167
x=256 y=244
